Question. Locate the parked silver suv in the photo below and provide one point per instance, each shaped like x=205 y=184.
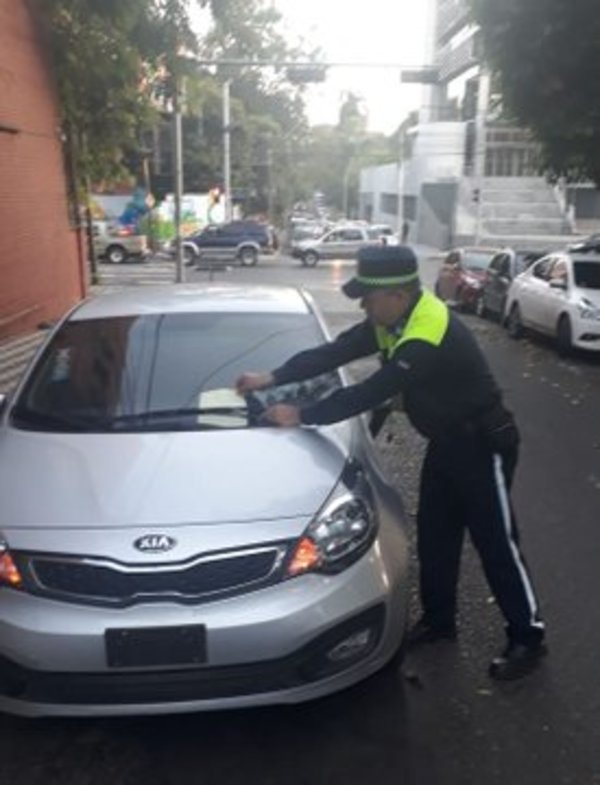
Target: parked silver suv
x=341 y=242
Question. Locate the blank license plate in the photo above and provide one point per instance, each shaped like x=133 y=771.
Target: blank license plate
x=147 y=646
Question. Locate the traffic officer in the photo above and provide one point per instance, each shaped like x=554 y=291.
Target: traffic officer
x=450 y=396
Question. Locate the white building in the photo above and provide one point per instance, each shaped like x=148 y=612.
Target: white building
x=465 y=174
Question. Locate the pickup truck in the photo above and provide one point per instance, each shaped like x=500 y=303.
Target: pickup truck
x=116 y=244
x=341 y=242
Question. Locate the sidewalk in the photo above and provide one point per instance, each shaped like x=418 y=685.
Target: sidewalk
x=15 y=353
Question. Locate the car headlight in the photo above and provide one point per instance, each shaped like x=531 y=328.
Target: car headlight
x=338 y=536
x=9 y=572
x=587 y=310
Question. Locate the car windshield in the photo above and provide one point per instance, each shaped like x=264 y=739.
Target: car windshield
x=163 y=372
x=587 y=274
x=473 y=260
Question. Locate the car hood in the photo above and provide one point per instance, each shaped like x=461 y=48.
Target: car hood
x=591 y=295
x=142 y=479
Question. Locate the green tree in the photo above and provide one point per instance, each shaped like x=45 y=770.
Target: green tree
x=109 y=57
x=547 y=56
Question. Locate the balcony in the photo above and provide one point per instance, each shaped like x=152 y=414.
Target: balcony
x=451 y=16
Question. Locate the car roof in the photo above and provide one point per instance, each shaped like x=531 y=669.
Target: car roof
x=189 y=298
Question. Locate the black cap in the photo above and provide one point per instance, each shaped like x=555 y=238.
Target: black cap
x=382 y=267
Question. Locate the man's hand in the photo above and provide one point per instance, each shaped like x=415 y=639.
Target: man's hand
x=248 y=382
x=282 y=414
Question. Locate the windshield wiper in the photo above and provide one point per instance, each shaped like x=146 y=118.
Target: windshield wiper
x=27 y=417
x=154 y=415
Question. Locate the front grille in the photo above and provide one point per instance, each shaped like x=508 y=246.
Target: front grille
x=98 y=581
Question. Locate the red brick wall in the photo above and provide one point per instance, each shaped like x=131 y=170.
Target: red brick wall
x=41 y=268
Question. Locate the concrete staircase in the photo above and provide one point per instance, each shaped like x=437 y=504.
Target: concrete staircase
x=522 y=212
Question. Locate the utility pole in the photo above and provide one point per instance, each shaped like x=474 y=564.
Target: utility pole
x=483 y=96
x=227 y=149
x=178 y=181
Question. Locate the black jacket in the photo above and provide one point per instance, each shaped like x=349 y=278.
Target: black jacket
x=447 y=389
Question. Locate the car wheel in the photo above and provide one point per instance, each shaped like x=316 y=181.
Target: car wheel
x=248 y=257
x=564 y=336
x=514 y=325
x=480 y=308
x=116 y=254
x=310 y=259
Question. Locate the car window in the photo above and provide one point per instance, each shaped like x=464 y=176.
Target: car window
x=542 y=269
x=497 y=262
x=351 y=235
x=559 y=271
x=333 y=237
x=587 y=274
x=94 y=371
x=473 y=260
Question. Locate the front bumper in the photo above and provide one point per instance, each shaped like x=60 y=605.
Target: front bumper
x=586 y=334
x=263 y=648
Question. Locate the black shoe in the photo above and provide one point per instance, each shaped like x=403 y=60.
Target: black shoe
x=517 y=660
x=423 y=633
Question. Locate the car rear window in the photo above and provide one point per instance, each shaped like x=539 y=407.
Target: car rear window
x=587 y=274
x=98 y=371
x=477 y=261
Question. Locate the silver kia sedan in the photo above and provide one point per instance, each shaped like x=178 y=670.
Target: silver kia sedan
x=162 y=549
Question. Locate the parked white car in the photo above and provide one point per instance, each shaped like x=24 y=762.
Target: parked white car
x=560 y=296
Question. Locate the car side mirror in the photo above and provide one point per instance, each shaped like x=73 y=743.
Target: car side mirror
x=557 y=283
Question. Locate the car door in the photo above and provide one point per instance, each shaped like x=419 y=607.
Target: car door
x=331 y=245
x=533 y=292
x=556 y=295
x=449 y=276
x=351 y=242
x=494 y=288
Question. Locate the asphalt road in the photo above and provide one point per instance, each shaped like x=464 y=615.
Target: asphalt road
x=440 y=721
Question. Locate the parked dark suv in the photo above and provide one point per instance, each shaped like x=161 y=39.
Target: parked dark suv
x=236 y=241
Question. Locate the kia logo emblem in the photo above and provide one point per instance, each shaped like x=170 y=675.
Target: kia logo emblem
x=155 y=543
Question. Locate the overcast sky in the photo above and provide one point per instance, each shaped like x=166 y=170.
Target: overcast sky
x=392 y=31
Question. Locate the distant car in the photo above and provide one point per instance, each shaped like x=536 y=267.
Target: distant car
x=162 y=549
x=341 y=242
x=502 y=270
x=461 y=276
x=384 y=233
x=559 y=295
x=118 y=244
x=237 y=241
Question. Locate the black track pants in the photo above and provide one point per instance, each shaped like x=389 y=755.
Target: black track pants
x=465 y=486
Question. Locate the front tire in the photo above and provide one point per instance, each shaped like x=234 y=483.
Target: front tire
x=188 y=257
x=514 y=325
x=310 y=259
x=116 y=254
x=564 y=336
x=248 y=257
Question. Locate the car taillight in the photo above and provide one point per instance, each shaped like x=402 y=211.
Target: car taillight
x=9 y=572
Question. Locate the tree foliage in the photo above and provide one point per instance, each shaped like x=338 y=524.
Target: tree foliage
x=546 y=53
x=107 y=56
